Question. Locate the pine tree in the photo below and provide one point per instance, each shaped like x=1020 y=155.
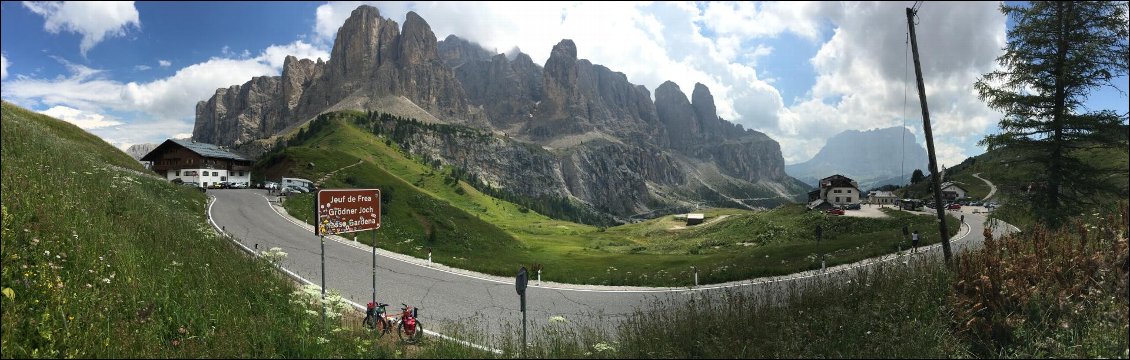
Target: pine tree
x=917 y=176
x=1057 y=53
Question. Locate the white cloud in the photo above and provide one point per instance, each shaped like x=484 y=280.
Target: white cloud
x=94 y=20
x=142 y=67
x=82 y=119
x=164 y=63
x=168 y=105
x=3 y=67
x=863 y=72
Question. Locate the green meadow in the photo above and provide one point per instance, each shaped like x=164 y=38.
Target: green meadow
x=430 y=207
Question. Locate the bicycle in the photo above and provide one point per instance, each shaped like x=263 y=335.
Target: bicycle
x=408 y=327
x=376 y=318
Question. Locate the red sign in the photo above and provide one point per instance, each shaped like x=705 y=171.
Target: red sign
x=347 y=210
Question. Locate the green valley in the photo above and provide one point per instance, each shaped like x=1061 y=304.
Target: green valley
x=428 y=206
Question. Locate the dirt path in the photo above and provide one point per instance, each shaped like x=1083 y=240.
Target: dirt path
x=992 y=188
x=327 y=176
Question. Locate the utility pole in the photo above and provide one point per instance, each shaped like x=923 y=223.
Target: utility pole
x=929 y=141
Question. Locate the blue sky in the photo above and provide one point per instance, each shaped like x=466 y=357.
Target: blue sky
x=800 y=72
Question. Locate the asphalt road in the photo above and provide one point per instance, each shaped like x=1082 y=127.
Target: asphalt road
x=483 y=302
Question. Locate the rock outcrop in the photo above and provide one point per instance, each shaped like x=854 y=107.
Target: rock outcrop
x=570 y=128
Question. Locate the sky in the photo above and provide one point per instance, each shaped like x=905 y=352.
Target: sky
x=800 y=72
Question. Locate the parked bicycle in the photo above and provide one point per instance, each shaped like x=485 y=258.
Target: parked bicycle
x=408 y=326
x=377 y=318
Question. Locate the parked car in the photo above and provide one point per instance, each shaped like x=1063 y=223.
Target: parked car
x=271 y=185
x=954 y=206
x=238 y=185
x=193 y=184
x=853 y=207
x=835 y=211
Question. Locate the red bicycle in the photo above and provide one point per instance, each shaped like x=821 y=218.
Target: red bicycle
x=408 y=326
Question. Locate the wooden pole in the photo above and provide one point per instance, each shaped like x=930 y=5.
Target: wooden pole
x=929 y=141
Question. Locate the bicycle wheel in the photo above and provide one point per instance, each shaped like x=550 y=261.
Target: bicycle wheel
x=415 y=337
x=383 y=327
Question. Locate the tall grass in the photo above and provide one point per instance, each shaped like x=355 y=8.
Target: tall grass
x=101 y=259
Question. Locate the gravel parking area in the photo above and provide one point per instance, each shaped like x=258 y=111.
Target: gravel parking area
x=868 y=211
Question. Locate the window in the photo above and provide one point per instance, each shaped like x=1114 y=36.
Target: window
x=205 y=184
x=837 y=199
x=223 y=178
x=215 y=173
x=836 y=191
x=178 y=173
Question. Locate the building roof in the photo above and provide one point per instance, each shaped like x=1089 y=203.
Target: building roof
x=953 y=184
x=695 y=216
x=202 y=149
x=837 y=181
x=883 y=194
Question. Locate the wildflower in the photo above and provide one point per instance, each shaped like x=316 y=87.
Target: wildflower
x=603 y=347
x=322 y=340
x=182 y=330
x=176 y=342
x=558 y=319
x=106 y=280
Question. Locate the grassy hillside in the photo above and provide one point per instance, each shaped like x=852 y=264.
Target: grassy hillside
x=427 y=208
x=1012 y=179
x=102 y=259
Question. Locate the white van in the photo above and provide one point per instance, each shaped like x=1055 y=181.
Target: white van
x=297 y=183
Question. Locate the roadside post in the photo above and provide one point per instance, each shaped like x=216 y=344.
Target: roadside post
x=819 y=234
x=340 y=211
x=537 y=267
x=520 y=286
x=695 y=268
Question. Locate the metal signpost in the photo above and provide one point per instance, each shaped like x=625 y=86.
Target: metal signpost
x=520 y=286
x=340 y=211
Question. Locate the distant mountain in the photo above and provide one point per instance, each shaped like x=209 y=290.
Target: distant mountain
x=873 y=158
x=596 y=137
x=139 y=150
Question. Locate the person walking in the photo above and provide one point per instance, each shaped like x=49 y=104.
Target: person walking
x=914 y=241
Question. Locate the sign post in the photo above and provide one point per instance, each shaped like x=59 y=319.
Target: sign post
x=520 y=286
x=340 y=211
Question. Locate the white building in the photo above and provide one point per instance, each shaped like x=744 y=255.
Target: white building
x=199 y=163
x=952 y=191
x=838 y=190
x=882 y=198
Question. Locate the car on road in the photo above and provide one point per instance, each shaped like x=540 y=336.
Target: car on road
x=834 y=211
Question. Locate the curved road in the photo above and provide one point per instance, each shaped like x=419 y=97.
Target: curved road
x=484 y=302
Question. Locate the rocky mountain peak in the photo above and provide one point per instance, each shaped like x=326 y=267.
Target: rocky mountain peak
x=707 y=113
x=565 y=50
x=455 y=51
x=417 y=41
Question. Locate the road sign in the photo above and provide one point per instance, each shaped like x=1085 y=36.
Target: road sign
x=341 y=211
x=521 y=280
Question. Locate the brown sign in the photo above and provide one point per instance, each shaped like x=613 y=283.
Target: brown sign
x=347 y=210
